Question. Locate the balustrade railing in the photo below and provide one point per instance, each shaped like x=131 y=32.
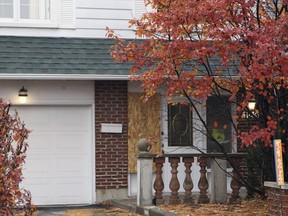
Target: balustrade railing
x=188 y=184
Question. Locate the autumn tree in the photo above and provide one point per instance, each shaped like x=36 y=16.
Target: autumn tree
x=14 y=200
x=232 y=50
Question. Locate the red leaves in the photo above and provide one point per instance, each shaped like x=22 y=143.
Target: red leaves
x=256 y=133
x=12 y=156
x=197 y=48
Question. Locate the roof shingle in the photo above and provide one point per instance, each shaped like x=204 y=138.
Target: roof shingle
x=41 y=55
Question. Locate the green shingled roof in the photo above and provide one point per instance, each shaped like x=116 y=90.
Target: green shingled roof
x=41 y=55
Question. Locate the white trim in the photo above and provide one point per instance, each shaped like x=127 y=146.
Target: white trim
x=93 y=152
x=55 y=103
x=7 y=76
x=28 y=23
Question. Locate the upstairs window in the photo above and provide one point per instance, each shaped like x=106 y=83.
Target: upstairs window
x=35 y=9
x=38 y=13
x=6 y=8
x=25 y=9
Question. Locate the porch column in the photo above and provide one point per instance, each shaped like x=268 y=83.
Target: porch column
x=144 y=174
x=218 y=180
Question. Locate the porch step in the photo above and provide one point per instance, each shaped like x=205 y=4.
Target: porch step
x=131 y=206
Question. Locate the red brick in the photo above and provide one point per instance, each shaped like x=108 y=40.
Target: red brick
x=111 y=106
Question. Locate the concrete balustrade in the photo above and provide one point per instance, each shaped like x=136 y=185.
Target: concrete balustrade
x=218 y=179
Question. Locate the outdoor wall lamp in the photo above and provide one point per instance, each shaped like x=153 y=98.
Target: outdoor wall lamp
x=23 y=94
x=251 y=105
x=252 y=110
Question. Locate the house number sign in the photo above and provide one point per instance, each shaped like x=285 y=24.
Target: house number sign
x=278 y=161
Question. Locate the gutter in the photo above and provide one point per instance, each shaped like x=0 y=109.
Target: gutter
x=8 y=76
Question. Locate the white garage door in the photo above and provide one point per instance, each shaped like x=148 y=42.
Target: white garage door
x=58 y=167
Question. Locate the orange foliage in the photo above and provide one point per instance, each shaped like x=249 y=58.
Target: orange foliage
x=200 y=48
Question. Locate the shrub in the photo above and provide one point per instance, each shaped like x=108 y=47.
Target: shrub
x=13 y=147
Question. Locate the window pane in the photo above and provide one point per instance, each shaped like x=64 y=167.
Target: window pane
x=179 y=125
x=35 y=9
x=6 y=8
x=219 y=124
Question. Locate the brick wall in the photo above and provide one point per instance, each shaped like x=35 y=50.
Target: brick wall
x=277 y=201
x=111 y=106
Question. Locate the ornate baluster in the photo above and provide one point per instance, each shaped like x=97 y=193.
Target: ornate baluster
x=188 y=183
x=158 y=183
x=235 y=184
x=174 y=183
x=203 y=183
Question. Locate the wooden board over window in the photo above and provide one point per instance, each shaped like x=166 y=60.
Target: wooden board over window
x=144 y=122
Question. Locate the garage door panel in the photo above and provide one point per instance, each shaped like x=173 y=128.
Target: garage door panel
x=58 y=167
x=71 y=165
x=37 y=166
x=74 y=123
x=34 y=118
x=36 y=149
x=64 y=170
x=38 y=137
x=76 y=144
x=73 y=188
x=42 y=189
x=57 y=142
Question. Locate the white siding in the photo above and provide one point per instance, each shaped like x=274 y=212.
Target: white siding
x=108 y=4
x=47 y=92
x=91 y=19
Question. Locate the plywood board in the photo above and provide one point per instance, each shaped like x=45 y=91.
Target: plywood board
x=144 y=122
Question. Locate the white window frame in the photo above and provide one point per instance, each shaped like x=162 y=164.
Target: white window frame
x=17 y=22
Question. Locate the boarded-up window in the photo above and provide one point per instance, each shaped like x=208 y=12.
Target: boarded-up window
x=143 y=122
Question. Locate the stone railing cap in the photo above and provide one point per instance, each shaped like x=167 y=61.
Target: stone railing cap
x=275 y=185
x=207 y=154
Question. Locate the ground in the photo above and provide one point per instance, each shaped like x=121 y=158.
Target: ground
x=245 y=208
x=103 y=212
x=107 y=211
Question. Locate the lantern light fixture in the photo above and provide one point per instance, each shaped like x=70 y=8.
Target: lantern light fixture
x=23 y=94
x=252 y=105
x=252 y=110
